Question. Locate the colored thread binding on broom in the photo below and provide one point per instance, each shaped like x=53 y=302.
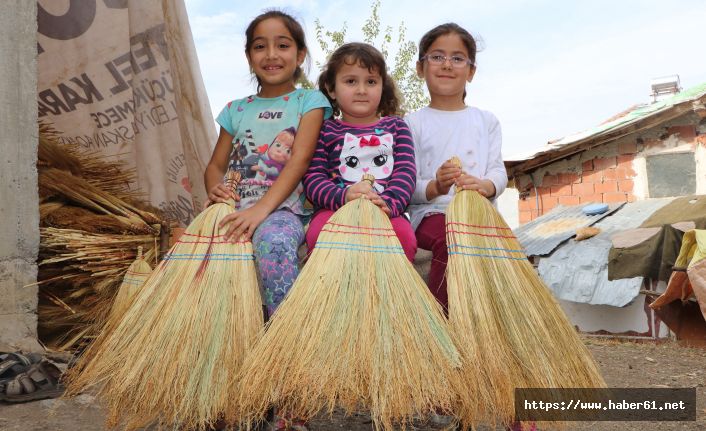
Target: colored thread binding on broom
x=220 y=239
x=209 y=256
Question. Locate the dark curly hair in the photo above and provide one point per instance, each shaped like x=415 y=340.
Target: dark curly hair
x=366 y=56
x=295 y=29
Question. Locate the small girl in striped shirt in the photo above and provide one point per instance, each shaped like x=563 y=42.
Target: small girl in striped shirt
x=365 y=137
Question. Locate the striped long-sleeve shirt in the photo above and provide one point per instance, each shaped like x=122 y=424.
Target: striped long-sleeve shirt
x=346 y=151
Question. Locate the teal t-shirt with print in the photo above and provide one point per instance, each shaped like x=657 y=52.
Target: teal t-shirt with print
x=263 y=132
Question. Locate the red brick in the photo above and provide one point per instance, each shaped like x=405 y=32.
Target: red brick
x=543 y=191
x=631 y=198
x=569 y=178
x=583 y=189
x=569 y=200
x=608 y=162
x=624 y=174
x=595 y=198
x=686 y=133
x=610 y=174
x=626 y=186
x=627 y=147
x=547 y=203
x=593 y=177
x=587 y=166
x=561 y=190
x=607 y=187
x=615 y=197
x=625 y=161
x=525 y=216
x=525 y=204
x=550 y=180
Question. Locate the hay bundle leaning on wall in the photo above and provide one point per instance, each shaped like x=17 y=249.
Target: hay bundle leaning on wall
x=91 y=223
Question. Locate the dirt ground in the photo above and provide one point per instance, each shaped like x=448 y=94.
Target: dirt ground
x=624 y=364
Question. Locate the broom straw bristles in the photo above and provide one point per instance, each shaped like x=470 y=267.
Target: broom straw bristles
x=134 y=278
x=358 y=330
x=511 y=330
x=173 y=357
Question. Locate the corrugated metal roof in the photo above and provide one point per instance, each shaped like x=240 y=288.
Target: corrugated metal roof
x=578 y=270
x=542 y=235
x=625 y=119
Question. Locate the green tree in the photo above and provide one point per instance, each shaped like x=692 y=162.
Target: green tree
x=402 y=70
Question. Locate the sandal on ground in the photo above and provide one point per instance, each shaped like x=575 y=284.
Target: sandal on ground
x=39 y=381
x=12 y=364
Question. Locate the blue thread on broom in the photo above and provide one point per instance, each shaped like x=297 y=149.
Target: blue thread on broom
x=388 y=247
x=487 y=248
x=398 y=250
x=491 y=256
x=211 y=256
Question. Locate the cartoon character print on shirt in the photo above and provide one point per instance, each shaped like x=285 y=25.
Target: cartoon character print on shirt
x=244 y=155
x=366 y=154
x=274 y=156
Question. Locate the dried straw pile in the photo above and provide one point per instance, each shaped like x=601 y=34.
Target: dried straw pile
x=91 y=224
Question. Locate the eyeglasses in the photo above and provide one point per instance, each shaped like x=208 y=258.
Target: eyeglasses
x=455 y=60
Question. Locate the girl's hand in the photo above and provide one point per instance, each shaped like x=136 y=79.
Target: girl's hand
x=243 y=223
x=469 y=182
x=220 y=193
x=446 y=176
x=377 y=200
x=357 y=190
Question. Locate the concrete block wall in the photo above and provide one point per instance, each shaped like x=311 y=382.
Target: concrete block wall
x=19 y=213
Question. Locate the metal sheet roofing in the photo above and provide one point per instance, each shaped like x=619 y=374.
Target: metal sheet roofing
x=578 y=270
x=623 y=120
x=542 y=235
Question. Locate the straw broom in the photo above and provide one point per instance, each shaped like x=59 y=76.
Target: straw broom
x=511 y=330
x=359 y=329
x=173 y=357
x=135 y=277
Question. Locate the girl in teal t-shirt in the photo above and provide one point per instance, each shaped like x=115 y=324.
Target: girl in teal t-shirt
x=270 y=138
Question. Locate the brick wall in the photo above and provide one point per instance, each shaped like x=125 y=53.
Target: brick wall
x=608 y=176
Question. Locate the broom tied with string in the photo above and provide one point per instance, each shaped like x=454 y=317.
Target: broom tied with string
x=135 y=276
x=173 y=356
x=358 y=330
x=510 y=329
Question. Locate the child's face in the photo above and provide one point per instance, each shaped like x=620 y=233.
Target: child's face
x=273 y=55
x=357 y=93
x=445 y=80
x=281 y=149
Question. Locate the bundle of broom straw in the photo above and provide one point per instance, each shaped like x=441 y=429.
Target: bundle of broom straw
x=511 y=331
x=135 y=276
x=173 y=356
x=358 y=330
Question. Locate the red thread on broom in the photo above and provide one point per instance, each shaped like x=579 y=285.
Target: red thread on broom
x=473 y=225
x=358 y=233
x=361 y=227
x=481 y=234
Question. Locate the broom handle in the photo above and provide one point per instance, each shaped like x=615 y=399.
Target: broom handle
x=456 y=162
x=232 y=180
x=369 y=178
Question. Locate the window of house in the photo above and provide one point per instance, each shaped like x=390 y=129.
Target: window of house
x=670 y=175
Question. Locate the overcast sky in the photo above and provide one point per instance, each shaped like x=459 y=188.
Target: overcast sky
x=549 y=68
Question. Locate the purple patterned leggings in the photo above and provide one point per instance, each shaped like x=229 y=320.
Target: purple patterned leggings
x=275 y=244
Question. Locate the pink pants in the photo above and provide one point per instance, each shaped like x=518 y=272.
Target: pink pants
x=431 y=235
x=400 y=224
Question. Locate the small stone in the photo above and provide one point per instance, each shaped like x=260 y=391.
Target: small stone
x=649 y=359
